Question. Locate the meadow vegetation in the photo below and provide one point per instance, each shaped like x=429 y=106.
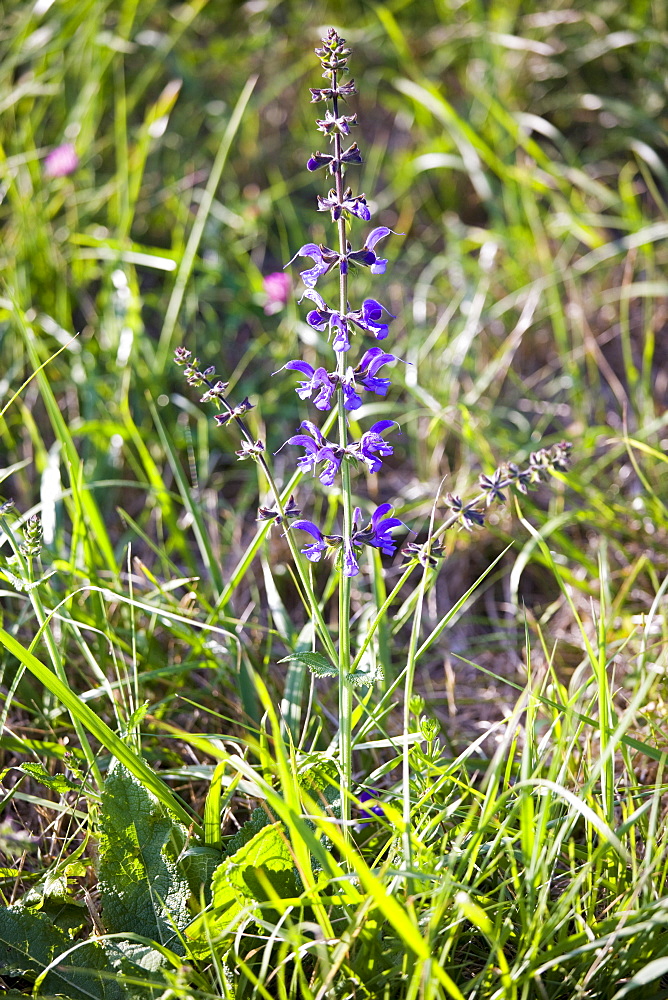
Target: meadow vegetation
x=194 y=801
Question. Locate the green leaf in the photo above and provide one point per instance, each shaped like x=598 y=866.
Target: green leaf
x=142 y=890
x=258 y=872
x=258 y=820
x=648 y=974
x=29 y=943
x=56 y=782
x=198 y=865
x=319 y=664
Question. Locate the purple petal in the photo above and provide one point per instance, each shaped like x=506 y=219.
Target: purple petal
x=378 y=267
x=299 y=366
x=309 y=250
x=317 y=319
x=368 y=357
x=318 y=160
x=315 y=431
x=341 y=341
x=376 y=234
x=309 y=526
x=379 y=513
x=373 y=309
x=380 y=426
x=351 y=399
x=350 y=564
x=380 y=360
x=310 y=293
x=304 y=442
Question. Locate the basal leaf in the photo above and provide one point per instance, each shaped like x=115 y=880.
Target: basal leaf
x=258 y=872
x=141 y=887
x=29 y=943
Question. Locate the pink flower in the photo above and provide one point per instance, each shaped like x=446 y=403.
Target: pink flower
x=61 y=161
x=277 y=287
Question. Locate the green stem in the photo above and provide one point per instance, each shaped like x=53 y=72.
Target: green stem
x=405 y=752
x=345 y=688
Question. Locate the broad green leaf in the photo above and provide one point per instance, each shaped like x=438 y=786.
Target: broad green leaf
x=258 y=872
x=258 y=820
x=29 y=943
x=141 y=888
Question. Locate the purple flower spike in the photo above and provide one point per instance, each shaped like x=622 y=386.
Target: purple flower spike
x=371 y=445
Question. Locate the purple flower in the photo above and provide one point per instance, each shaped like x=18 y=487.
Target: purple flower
x=316 y=548
x=349 y=563
x=317 y=449
x=331 y=125
x=324 y=316
x=366 y=256
x=372 y=811
x=351 y=399
x=371 y=445
x=61 y=161
x=371 y=363
x=377 y=531
x=277 y=289
x=368 y=318
x=324 y=384
x=354 y=204
x=311 y=445
x=332 y=456
x=318 y=381
x=329 y=93
x=324 y=258
x=350 y=155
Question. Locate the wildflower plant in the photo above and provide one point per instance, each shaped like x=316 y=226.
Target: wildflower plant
x=328 y=450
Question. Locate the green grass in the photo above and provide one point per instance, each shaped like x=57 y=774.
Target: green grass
x=516 y=731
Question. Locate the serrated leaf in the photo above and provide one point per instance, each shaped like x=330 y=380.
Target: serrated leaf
x=56 y=782
x=259 y=871
x=316 y=662
x=362 y=678
x=198 y=865
x=142 y=889
x=259 y=818
x=29 y=943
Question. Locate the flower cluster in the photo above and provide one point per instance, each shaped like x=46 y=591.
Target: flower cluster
x=471 y=514
x=344 y=386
